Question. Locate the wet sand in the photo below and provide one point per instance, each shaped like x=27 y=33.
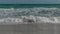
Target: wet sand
x=42 y=28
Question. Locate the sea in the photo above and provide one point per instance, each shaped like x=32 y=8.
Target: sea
x=29 y=13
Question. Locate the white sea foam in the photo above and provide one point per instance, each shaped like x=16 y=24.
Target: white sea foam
x=29 y=15
x=30 y=20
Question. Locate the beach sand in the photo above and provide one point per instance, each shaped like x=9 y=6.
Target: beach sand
x=42 y=28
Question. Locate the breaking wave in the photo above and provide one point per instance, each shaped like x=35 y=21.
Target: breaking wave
x=29 y=15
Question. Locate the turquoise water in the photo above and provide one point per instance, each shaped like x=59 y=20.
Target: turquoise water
x=28 y=5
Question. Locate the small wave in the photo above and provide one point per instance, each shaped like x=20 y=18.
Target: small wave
x=30 y=20
x=29 y=15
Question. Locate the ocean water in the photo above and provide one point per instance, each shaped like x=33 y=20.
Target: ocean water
x=29 y=13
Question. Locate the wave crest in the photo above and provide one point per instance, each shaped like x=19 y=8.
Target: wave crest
x=30 y=20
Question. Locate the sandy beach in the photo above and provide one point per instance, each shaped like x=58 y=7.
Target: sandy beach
x=42 y=28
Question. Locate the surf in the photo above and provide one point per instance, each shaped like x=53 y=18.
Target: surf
x=29 y=15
